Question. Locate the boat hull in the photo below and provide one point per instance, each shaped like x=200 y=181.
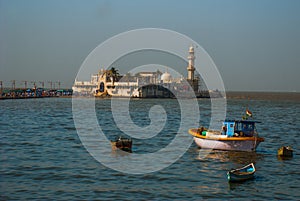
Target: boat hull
x=226 y=143
x=246 y=145
x=236 y=178
x=241 y=174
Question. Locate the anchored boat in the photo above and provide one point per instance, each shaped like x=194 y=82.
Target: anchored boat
x=241 y=174
x=236 y=135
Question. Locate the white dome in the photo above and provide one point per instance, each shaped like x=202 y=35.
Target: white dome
x=166 y=77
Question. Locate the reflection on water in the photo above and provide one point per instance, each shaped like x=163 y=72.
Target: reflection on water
x=236 y=157
x=236 y=186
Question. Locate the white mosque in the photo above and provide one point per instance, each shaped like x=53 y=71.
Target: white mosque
x=141 y=85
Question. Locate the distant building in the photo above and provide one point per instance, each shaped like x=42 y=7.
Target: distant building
x=143 y=84
x=86 y=88
x=191 y=70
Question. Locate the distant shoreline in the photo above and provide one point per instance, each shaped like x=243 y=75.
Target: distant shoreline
x=242 y=95
x=292 y=96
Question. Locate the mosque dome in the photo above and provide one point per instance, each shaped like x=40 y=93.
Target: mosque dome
x=166 y=77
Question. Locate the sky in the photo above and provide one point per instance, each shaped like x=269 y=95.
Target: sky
x=255 y=44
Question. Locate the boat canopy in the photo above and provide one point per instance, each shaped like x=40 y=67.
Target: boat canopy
x=240 y=127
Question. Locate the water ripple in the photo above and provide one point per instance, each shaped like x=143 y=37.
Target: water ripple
x=42 y=157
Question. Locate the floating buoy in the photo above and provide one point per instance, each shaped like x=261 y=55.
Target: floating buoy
x=124 y=144
x=285 y=151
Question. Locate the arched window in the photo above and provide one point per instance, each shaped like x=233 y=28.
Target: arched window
x=101 y=87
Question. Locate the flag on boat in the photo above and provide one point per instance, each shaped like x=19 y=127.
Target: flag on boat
x=248 y=113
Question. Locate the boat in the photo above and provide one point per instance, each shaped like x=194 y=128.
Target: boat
x=235 y=135
x=241 y=174
x=124 y=144
x=285 y=151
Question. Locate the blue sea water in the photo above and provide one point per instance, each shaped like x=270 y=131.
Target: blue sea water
x=43 y=158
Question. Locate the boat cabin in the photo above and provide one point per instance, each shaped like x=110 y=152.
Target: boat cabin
x=239 y=128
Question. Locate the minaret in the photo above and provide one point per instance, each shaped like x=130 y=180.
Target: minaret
x=190 y=67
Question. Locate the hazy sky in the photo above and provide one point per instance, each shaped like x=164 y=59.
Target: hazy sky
x=254 y=43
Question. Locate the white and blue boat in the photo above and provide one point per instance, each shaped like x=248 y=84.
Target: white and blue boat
x=236 y=135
